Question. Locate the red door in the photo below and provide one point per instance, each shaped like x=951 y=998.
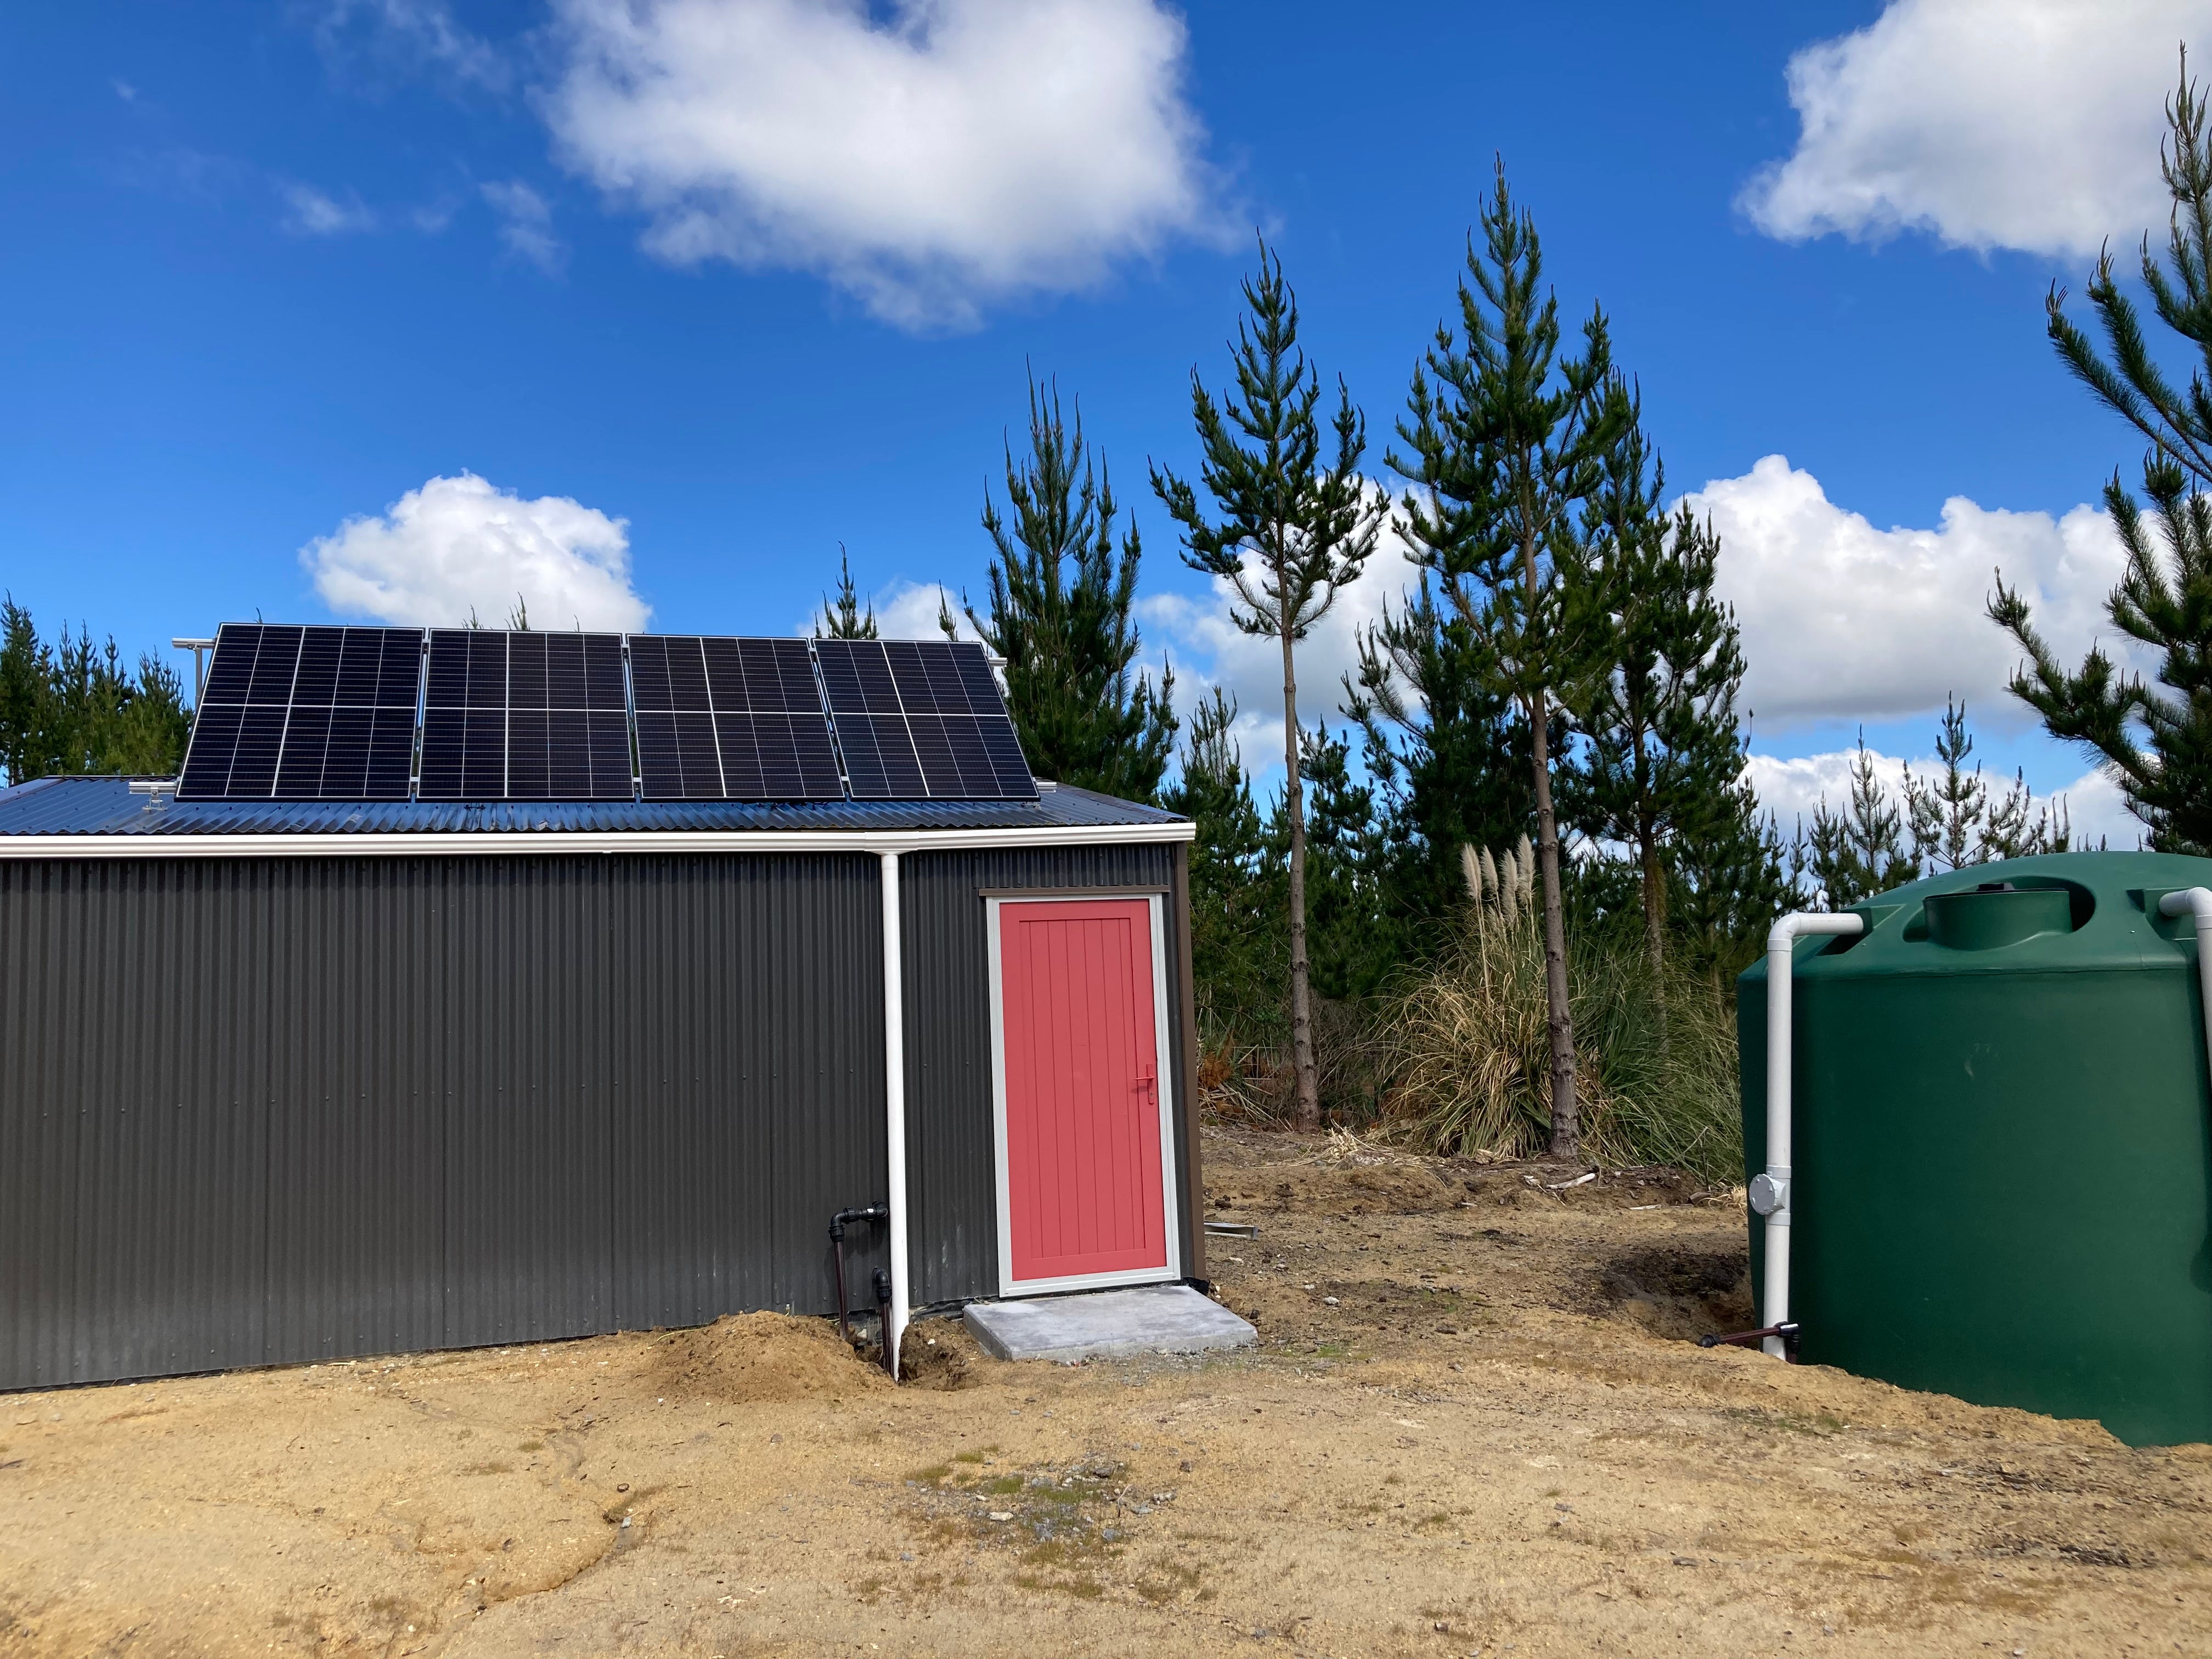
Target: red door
x=1086 y=1188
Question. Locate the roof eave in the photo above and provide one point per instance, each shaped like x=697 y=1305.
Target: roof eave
x=447 y=843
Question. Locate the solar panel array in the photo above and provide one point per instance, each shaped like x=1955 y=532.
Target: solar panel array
x=465 y=715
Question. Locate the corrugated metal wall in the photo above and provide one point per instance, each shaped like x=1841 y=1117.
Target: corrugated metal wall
x=264 y=1111
x=948 y=1042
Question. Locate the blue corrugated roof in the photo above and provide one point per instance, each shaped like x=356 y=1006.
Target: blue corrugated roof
x=106 y=806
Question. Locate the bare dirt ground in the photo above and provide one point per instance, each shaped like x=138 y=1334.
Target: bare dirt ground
x=1473 y=1424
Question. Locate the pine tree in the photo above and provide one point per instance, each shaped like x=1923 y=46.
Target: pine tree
x=1507 y=441
x=74 y=707
x=25 y=667
x=1351 y=942
x=841 y=618
x=1664 y=753
x=2011 y=833
x=1234 y=917
x=1955 y=823
x=1291 y=533
x=1949 y=812
x=1061 y=599
x=2154 y=740
x=1730 y=880
x=1859 y=851
x=1449 y=753
x=87 y=693
x=149 y=734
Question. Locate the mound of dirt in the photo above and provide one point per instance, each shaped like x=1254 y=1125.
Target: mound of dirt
x=937 y=1353
x=1678 y=1293
x=743 y=1358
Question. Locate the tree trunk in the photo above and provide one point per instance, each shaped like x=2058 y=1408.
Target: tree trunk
x=1302 y=1047
x=1654 y=898
x=1566 y=1111
x=1647 y=853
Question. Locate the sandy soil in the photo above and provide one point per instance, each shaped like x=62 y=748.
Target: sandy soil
x=1473 y=1424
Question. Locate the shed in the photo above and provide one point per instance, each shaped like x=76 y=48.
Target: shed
x=296 y=1080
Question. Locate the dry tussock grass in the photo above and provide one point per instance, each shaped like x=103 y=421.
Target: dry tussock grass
x=1469 y=1054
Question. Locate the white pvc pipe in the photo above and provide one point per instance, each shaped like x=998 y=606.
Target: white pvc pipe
x=1770 y=1195
x=894 y=1316
x=2198 y=901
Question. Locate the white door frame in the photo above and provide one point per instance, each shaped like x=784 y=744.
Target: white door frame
x=1165 y=1092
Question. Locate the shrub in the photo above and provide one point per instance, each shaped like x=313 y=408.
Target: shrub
x=1469 y=1060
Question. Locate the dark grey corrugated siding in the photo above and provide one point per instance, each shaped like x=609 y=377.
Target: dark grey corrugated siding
x=286 y=1109
x=946 y=968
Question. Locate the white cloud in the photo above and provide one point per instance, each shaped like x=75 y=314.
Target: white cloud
x=927 y=156
x=1192 y=631
x=2097 y=814
x=2022 y=124
x=312 y=212
x=1791 y=789
x=409 y=34
x=459 y=544
x=525 y=224
x=1844 y=622
x=1208 y=650
x=904 y=610
x=908 y=610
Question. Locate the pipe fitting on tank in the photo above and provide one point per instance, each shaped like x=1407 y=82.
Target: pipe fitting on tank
x=1780 y=944
x=1770 y=1196
x=2197 y=903
x=2194 y=901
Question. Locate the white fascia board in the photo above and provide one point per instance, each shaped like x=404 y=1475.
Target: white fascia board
x=449 y=843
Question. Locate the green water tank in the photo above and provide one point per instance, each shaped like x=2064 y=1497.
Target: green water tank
x=2002 y=1142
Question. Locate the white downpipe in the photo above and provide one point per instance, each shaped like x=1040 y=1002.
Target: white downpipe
x=895 y=1110
x=2198 y=901
x=1769 y=1194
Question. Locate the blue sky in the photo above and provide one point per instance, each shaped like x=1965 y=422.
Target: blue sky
x=271 y=267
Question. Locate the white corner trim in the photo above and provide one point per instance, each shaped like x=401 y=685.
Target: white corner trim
x=485 y=842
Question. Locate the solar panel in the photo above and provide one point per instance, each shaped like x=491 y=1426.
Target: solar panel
x=921 y=718
x=524 y=716
x=330 y=714
x=722 y=719
x=306 y=714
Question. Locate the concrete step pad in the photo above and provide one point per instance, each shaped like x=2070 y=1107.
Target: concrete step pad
x=1092 y=1324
